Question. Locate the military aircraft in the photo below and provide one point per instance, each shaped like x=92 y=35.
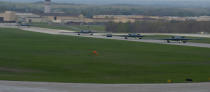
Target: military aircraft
x=85 y=32
x=82 y=32
x=178 y=39
x=131 y=35
x=24 y=24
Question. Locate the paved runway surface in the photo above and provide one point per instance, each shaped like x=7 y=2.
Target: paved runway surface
x=100 y=35
x=15 y=86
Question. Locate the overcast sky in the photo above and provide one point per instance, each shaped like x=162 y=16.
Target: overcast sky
x=111 y=1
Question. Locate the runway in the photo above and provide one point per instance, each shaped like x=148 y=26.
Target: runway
x=101 y=35
x=17 y=86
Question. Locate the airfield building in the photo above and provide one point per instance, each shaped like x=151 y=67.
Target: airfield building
x=30 y=17
x=8 y=16
x=65 y=18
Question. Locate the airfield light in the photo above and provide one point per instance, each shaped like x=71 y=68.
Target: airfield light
x=169 y=81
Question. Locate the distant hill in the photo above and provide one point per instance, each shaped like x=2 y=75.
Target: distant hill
x=165 y=2
x=148 y=3
x=148 y=8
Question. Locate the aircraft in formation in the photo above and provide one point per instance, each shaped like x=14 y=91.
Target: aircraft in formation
x=137 y=36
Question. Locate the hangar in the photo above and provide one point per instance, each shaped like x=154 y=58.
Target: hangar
x=1 y=19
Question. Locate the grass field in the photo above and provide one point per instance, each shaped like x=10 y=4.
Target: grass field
x=200 y=40
x=72 y=27
x=29 y=56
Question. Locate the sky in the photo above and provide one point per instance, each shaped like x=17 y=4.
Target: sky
x=114 y=1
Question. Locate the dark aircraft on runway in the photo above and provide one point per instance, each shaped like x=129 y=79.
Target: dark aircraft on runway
x=82 y=32
x=178 y=39
x=24 y=24
x=85 y=32
x=132 y=35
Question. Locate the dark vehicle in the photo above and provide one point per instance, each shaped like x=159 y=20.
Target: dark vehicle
x=178 y=39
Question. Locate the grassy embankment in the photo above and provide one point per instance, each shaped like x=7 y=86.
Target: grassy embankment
x=29 y=56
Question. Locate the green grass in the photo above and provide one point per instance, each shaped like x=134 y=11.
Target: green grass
x=71 y=27
x=90 y=27
x=29 y=56
x=156 y=37
x=200 y=40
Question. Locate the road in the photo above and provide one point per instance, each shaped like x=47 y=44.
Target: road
x=16 y=86
x=100 y=35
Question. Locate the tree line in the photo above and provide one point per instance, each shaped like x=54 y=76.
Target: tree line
x=160 y=27
x=115 y=9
